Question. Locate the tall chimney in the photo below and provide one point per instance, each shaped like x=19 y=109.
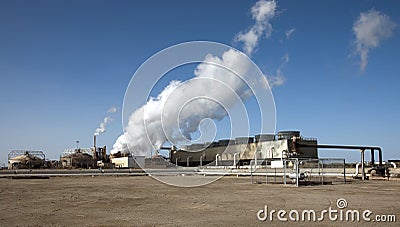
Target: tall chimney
x=94 y=145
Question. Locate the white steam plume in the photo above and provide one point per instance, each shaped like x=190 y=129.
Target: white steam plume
x=369 y=30
x=289 y=33
x=262 y=12
x=279 y=78
x=112 y=110
x=105 y=122
x=145 y=131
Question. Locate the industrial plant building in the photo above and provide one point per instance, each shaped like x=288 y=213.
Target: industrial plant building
x=242 y=150
x=94 y=157
x=78 y=158
x=85 y=157
x=26 y=159
x=128 y=161
x=260 y=150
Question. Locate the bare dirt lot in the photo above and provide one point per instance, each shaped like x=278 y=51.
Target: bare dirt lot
x=143 y=201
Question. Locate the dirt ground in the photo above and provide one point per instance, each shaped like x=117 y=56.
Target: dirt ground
x=143 y=201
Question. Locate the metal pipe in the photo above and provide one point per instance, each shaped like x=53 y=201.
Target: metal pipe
x=357 y=170
x=251 y=171
x=297 y=172
x=344 y=170
x=322 y=172
x=201 y=160
x=362 y=148
x=362 y=165
x=255 y=160
x=372 y=156
x=266 y=173
x=284 y=172
x=330 y=146
x=234 y=159
x=216 y=159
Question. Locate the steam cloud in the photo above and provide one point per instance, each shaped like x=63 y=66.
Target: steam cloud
x=105 y=122
x=278 y=79
x=369 y=30
x=262 y=12
x=289 y=33
x=150 y=126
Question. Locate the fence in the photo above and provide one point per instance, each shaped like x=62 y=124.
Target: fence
x=299 y=171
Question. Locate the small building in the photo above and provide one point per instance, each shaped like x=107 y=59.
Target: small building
x=129 y=161
x=26 y=159
x=78 y=158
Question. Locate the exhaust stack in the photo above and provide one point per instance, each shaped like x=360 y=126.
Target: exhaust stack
x=94 y=145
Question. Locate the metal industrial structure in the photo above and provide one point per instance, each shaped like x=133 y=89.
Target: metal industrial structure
x=380 y=168
x=26 y=159
x=264 y=149
x=285 y=155
x=85 y=157
x=77 y=158
x=244 y=149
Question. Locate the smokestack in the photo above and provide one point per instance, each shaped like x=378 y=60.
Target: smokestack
x=94 y=145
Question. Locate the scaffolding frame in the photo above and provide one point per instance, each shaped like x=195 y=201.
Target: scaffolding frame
x=15 y=153
x=71 y=151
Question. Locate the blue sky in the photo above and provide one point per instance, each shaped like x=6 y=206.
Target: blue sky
x=63 y=64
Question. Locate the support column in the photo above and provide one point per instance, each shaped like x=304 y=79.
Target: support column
x=234 y=159
x=372 y=157
x=362 y=165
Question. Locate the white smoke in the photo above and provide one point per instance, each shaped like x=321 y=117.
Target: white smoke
x=150 y=126
x=279 y=78
x=107 y=119
x=289 y=33
x=369 y=30
x=262 y=12
x=112 y=110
